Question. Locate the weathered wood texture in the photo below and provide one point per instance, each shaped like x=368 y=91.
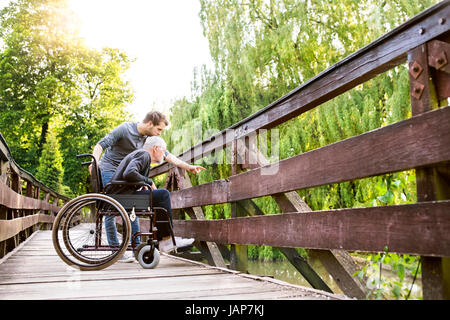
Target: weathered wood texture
x=35 y=272
x=13 y=200
x=13 y=167
x=421 y=229
x=372 y=153
x=9 y=228
x=379 y=56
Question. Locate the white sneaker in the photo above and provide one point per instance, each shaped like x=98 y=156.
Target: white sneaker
x=184 y=242
x=166 y=246
x=126 y=258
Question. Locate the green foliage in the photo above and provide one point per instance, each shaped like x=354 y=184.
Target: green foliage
x=48 y=76
x=390 y=276
x=264 y=49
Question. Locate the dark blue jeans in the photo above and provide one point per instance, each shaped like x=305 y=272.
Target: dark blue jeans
x=110 y=221
x=161 y=198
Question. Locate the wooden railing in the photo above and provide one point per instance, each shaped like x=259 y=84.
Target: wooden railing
x=25 y=203
x=421 y=142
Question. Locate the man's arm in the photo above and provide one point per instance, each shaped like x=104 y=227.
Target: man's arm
x=170 y=158
x=107 y=141
x=132 y=172
x=97 y=153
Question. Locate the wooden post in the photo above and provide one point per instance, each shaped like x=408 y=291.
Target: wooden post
x=29 y=193
x=238 y=253
x=433 y=183
x=46 y=226
x=3 y=210
x=37 y=195
x=17 y=187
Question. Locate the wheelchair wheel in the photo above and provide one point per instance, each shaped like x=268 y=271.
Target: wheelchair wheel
x=148 y=257
x=79 y=235
x=137 y=249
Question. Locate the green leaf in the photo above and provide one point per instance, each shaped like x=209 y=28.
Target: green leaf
x=401 y=271
x=386 y=198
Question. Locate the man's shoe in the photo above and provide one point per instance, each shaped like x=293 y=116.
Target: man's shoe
x=126 y=258
x=184 y=242
x=166 y=246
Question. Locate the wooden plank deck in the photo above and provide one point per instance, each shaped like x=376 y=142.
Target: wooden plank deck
x=34 y=272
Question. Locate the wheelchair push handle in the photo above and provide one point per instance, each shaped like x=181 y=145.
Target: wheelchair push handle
x=85 y=155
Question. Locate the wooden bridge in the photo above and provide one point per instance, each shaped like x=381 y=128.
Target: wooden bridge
x=35 y=271
x=421 y=142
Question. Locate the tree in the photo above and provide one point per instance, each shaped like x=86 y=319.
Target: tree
x=48 y=75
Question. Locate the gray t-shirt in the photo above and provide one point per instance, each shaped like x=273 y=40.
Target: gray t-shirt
x=117 y=144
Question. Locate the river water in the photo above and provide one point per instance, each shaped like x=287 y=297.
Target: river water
x=283 y=270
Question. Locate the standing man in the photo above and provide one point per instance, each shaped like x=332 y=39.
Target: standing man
x=123 y=140
x=130 y=136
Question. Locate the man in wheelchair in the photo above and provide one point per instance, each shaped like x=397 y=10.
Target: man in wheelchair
x=135 y=168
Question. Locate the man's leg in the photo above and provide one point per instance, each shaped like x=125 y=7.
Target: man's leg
x=135 y=227
x=161 y=198
x=110 y=221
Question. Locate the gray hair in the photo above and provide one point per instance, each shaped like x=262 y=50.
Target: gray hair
x=154 y=141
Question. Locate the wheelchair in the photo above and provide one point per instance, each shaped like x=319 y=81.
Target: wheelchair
x=79 y=235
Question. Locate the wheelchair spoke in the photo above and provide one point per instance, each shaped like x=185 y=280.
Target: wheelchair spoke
x=79 y=233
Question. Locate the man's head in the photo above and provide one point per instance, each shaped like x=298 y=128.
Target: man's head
x=156 y=146
x=153 y=124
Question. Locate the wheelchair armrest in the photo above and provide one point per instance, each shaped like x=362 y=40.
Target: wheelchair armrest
x=127 y=183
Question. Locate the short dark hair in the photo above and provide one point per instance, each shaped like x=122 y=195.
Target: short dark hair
x=155 y=117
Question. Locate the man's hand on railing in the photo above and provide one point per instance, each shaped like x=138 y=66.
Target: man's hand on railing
x=195 y=169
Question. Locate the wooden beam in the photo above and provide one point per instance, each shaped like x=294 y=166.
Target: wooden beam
x=208 y=193
x=379 y=56
x=14 y=200
x=420 y=229
x=10 y=228
x=372 y=153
